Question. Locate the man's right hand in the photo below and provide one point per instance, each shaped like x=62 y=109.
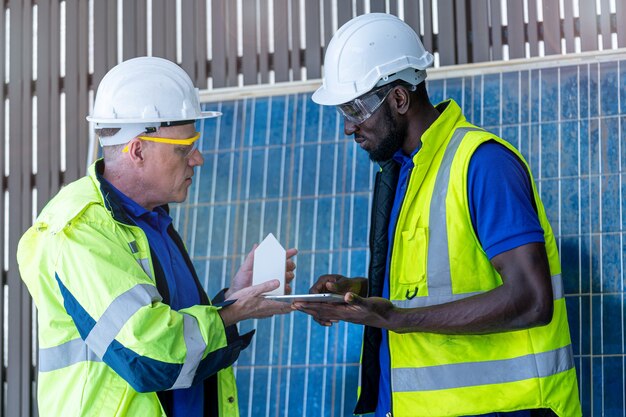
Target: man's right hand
x=251 y=304
x=338 y=284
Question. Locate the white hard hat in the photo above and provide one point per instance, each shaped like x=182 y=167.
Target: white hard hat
x=145 y=92
x=370 y=50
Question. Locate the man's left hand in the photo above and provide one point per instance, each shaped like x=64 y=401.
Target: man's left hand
x=243 y=277
x=370 y=311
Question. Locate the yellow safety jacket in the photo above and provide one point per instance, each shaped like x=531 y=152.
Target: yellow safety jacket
x=108 y=343
x=437 y=258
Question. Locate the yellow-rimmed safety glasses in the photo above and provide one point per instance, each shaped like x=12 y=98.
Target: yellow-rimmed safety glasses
x=187 y=146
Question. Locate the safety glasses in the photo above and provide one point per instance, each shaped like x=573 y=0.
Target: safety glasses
x=187 y=146
x=361 y=108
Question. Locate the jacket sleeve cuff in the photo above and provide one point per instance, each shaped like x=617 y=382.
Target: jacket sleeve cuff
x=232 y=334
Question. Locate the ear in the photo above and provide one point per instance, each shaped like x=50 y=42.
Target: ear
x=400 y=100
x=136 y=150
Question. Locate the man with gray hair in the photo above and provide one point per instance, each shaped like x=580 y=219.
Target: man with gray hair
x=125 y=328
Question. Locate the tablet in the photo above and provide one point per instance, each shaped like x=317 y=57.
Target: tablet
x=323 y=298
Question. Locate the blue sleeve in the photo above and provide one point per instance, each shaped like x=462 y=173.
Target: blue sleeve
x=501 y=200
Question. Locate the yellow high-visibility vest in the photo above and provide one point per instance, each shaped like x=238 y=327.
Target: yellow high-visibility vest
x=437 y=258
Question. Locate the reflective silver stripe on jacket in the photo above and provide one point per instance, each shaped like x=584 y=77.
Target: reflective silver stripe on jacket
x=67 y=354
x=145 y=265
x=557 y=292
x=471 y=374
x=438 y=273
x=195 y=350
x=117 y=314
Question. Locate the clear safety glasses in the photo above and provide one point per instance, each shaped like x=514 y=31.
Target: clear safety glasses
x=186 y=146
x=361 y=108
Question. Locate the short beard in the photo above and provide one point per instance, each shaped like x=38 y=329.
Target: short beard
x=391 y=143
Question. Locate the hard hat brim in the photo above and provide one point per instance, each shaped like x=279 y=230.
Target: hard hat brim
x=201 y=115
x=327 y=98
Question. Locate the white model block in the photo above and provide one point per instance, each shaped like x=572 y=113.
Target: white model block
x=270 y=263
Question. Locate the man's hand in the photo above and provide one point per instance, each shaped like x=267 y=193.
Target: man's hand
x=338 y=284
x=251 y=304
x=372 y=311
x=243 y=277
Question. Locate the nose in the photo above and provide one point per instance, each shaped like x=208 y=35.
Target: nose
x=349 y=127
x=196 y=158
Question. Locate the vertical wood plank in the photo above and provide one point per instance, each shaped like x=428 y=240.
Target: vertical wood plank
x=327 y=32
x=427 y=38
x=232 y=55
x=43 y=93
x=3 y=189
x=281 y=41
x=201 y=34
x=532 y=29
x=129 y=34
x=568 y=27
x=551 y=28
x=515 y=29
x=462 y=39
x=82 y=131
x=344 y=12
x=296 y=49
x=588 y=26
x=313 y=57
x=141 y=27
x=393 y=7
x=76 y=89
x=163 y=30
x=249 y=32
x=71 y=88
x=605 y=22
x=620 y=16
x=360 y=7
x=56 y=174
x=188 y=38
x=264 y=52
x=134 y=28
x=412 y=16
x=105 y=39
x=27 y=170
x=19 y=369
x=446 y=45
x=480 y=31
x=377 y=6
x=496 y=30
x=219 y=40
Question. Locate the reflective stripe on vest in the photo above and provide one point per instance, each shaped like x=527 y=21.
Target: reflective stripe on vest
x=460 y=375
x=438 y=273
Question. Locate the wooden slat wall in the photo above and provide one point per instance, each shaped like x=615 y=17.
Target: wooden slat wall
x=57 y=97
x=3 y=190
x=19 y=368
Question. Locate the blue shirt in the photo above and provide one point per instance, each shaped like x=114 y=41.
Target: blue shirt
x=183 y=291
x=501 y=224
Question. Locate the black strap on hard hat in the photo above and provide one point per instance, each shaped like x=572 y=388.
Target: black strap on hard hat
x=169 y=124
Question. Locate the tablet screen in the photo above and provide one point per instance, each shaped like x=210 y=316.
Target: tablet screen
x=324 y=298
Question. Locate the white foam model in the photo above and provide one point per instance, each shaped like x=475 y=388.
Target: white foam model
x=270 y=263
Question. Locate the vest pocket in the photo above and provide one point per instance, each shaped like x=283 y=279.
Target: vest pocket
x=412 y=258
